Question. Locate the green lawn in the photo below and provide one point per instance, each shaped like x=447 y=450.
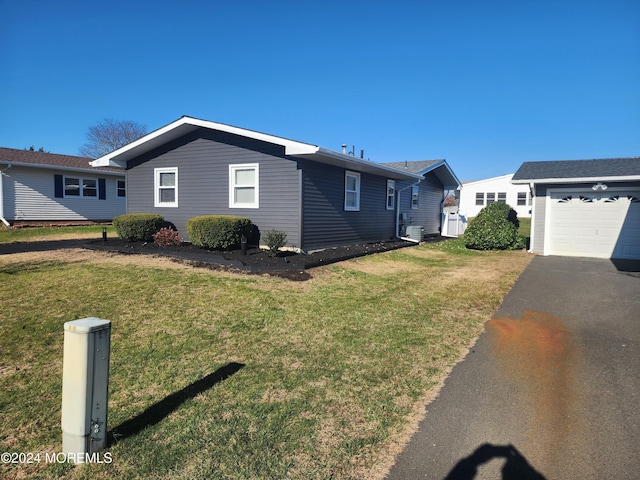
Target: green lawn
x=34 y=234
x=324 y=375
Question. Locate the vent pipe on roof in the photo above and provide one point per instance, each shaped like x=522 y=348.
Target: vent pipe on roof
x=362 y=154
x=344 y=148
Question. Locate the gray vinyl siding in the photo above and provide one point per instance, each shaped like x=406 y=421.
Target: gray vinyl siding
x=203 y=160
x=430 y=197
x=325 y=221
x=539 y=203
x=29 y=194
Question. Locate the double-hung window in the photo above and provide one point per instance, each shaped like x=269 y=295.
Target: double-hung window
x=352 y=191
x=166 y=187
x=414 y=196
x=80 y=187
x=244 y=185
x=479 y=198
x=502 y=197
x=391 y=194
x=121 y=188
x=522 y=198
x=491 y=198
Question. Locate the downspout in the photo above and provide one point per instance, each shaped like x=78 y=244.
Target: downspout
x=2 y=219
x=406 y=239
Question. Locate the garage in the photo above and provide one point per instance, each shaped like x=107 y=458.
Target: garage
x=589 y=224
x=584 y=208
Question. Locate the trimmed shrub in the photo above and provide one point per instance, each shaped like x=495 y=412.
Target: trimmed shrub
x=138 y=226
x=495 y=228
x=275 y=240
x=167 y=237
x=218 y=232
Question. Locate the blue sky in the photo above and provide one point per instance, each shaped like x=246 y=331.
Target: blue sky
x=485 y=84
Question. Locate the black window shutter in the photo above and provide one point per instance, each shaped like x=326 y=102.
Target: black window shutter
x=58 y=186
x=102 y=189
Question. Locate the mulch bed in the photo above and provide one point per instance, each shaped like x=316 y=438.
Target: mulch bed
x=286 y=264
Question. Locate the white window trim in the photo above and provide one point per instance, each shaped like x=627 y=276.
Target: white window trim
x=156 y=187
x=526 y=199
x=118 y=189
x=356 y=207
x=391 y=184
x=81 y=181
x=232 y=185
x=415 y=205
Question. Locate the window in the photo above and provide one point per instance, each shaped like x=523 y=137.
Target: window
x=166 y=187
x=391 y=194
x=71 y=187
x=80 y=187
x=522 y=198
x=352 y=191
x=491 y=197
x=414 y=196
x=243 y=186
x=502 y=197
x=121 y=188
x=89 y=188
x=480 y=198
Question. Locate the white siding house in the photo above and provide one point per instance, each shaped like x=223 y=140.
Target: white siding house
x=474 y=196
x=46 y=187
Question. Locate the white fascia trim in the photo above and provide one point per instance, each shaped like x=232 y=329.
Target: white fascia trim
x=492 y=179
x=630 y=178
x=445 y=164
x=291 y=146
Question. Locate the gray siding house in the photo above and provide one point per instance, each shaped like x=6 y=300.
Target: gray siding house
x=585 y=208
x=46 y=187
x=319 y=197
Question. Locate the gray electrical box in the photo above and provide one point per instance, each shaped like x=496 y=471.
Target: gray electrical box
x=85 y=382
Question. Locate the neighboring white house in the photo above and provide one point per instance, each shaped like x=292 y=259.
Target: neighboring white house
x=474 y=196
x=47 y=187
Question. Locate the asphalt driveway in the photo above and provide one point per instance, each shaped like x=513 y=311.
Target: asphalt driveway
x=552 y=387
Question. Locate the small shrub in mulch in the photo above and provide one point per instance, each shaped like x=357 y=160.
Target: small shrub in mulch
x=218 y=232
x=167 y=237
x=138 y=226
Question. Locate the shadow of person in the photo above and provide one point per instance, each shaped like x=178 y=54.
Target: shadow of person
x=516 y=466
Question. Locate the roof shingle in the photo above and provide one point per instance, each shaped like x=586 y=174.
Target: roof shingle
x=12 y=155
x=572 y=169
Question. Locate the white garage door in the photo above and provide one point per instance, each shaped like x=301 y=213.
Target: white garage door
x=594 y=224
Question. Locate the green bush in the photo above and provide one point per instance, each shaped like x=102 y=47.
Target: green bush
x=275 y=240
x=495 y=228
x=218 y=232
x=138 y=226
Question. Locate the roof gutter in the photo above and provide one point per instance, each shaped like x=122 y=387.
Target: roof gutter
x=2 y=219
x=406 y=239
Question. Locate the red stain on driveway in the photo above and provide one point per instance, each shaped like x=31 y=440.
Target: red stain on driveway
x=538 y=354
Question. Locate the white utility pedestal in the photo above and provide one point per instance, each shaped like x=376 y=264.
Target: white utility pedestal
x=85 y=381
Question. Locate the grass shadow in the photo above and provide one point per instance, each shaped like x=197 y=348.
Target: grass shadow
x=516 y=466
x=160 y=410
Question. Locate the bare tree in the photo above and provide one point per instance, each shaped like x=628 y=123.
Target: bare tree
x=109 y=135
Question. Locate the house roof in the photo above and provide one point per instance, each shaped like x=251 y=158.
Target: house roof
x=440 y=168
x=50 y=160
x=185 y=125
x=506 y=177
x=573 y=171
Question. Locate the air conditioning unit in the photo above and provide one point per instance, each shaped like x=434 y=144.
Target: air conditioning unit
x=415 y=232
